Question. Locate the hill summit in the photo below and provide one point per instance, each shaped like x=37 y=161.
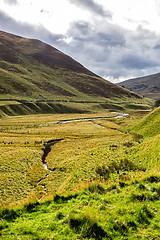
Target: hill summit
x=32 y=69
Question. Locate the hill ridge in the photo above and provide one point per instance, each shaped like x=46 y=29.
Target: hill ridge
x=149 y=86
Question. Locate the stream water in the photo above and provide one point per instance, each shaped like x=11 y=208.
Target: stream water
x=119 y=115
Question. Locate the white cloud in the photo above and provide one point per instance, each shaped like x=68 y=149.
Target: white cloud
x=92 y=6
x=67 y=40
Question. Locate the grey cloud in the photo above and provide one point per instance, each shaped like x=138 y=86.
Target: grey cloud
x=80 y=29
x=92 y=6
x=157 y=46
x=95 y=43
x=11 y=2
x=109 y=36
x=134 y=61
x=10 y=25
x=109 y=50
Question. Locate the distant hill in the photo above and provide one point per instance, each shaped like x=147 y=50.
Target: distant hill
x=31 y=69
x=148 y=86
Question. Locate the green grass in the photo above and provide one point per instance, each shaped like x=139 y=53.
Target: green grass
x=98 y=212
x=16 y=108
x=149 y=126
x=39 y=81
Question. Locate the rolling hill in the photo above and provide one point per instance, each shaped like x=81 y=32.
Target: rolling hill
x=31 y=69
x=148 y=86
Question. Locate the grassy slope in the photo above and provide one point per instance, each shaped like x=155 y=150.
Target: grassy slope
x=106 y=182
x=148 y=86
x=149 y=150
x=150 y=125
x=15 y=108
x=117 y=212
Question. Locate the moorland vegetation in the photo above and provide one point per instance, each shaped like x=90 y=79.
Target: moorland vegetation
x=102 y=183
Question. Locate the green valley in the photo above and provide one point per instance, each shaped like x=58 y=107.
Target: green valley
x=79 y=156
x=102 y=181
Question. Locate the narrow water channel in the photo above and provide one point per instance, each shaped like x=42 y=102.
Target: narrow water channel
x=119 y=115
x=46 y=151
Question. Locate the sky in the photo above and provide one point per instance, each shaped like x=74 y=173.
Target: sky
x=116 y=39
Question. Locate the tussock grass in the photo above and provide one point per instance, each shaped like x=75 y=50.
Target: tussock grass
x=87 y=215
x=87 y=227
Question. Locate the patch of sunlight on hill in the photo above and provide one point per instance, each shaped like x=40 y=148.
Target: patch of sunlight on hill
x=150 y=125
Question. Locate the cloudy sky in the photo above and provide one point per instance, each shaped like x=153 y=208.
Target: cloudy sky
x=116 y=39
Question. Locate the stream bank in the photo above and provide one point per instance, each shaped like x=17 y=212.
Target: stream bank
x=46 y=150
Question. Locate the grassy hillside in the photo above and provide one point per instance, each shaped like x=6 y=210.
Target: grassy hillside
x=150 y=125
x=148 y=86
x=31 y=69
x=148 y=131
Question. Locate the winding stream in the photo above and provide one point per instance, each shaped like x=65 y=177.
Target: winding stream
x=119 y=115
x=47 y=145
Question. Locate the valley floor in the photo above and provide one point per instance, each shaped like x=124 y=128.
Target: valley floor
x=101 y=181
